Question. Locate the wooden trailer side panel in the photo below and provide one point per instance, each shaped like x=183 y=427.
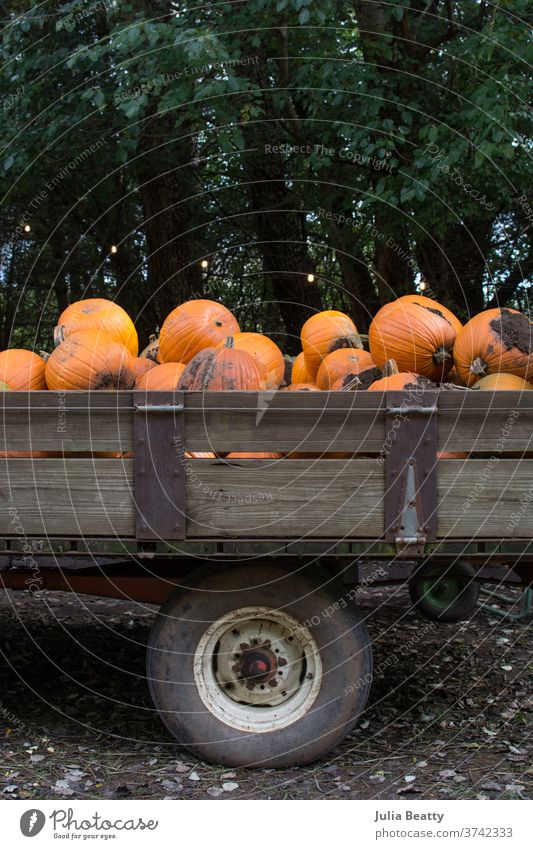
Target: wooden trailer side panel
x=258 y=499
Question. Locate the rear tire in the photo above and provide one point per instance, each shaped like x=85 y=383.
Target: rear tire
x=443 y=592
x=256 y=666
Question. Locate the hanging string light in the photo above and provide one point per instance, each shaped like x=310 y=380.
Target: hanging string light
x=27 y=228
x=422 y=285
x=204 y=264
x=114 y=249
x=310 y=278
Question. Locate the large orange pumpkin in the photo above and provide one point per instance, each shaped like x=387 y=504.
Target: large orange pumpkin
x=325 y=332
x=98 y=314
x=492 y=341
x=299 y=372
x=193 y=326
x=266 y=354
x=340 y=363
x=22 y=369
x=298 y=387
x=165 y=376
x=222 y=369
x=141 y=365
x=416 y=332
x=503 y=381
x=89 y=359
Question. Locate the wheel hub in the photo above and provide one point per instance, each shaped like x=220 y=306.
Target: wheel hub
x=258 y=664
x=258 y=669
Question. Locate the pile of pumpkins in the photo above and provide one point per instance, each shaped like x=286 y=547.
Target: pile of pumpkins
x=414 y=342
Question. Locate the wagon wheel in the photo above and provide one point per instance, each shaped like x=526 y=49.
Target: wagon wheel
x=252 y=665
x=444 y=593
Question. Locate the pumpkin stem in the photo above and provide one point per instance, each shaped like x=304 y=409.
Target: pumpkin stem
x=59 y=335
x=44 y=355
x=390 y=368
x=441 y=356
x=229 y=342
x=152 y=338
x=478 y=366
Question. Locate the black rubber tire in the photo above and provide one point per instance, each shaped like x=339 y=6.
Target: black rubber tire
x=457 y=609
x=343 y=643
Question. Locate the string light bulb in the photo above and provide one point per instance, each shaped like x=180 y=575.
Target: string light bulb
x=310 y=278
x=423 y=286
x=114 y=249
x=204 y=263
x=27 y=228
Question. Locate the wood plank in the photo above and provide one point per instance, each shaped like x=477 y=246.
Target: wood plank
x=270 y=421
x=66 y=497
x=284 y=421
x=68 y=421
x=485 y=498
x=325 y=498
x=485 y=421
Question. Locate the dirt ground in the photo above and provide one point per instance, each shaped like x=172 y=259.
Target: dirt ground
x=449 y=715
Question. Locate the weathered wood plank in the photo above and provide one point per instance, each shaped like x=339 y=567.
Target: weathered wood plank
x=485 y=498
x=269 y=421
x=498 y=422
x=66 y=497
x=283 y=421
x=66 y=421
x=327 y=498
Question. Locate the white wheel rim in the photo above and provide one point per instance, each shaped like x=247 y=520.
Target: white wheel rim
x=242 y=654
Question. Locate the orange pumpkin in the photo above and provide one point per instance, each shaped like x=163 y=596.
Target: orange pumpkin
x=165 y=376
x=299 y=372
x=266 y=354
x=22 y=370
x=416 y=332
x=362 y=380
x=254 y=455
x=200 y=455
x=90 y=360
x=192 y=327
x=151 y=352
x=492 y=341
x=309 y=387
x=325 y=332
x=340 y=363
x=23 y=454
x=98 y=314
x=141 y=365
x=402 y=380
x=222 y=369
x=452 y=455
x=503 y=381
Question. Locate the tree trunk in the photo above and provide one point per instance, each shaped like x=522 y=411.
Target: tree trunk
x=454 y=266
x=174 y=273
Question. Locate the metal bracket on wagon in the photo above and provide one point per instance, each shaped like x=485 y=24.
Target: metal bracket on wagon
x=159 y=468
x=410 y=471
